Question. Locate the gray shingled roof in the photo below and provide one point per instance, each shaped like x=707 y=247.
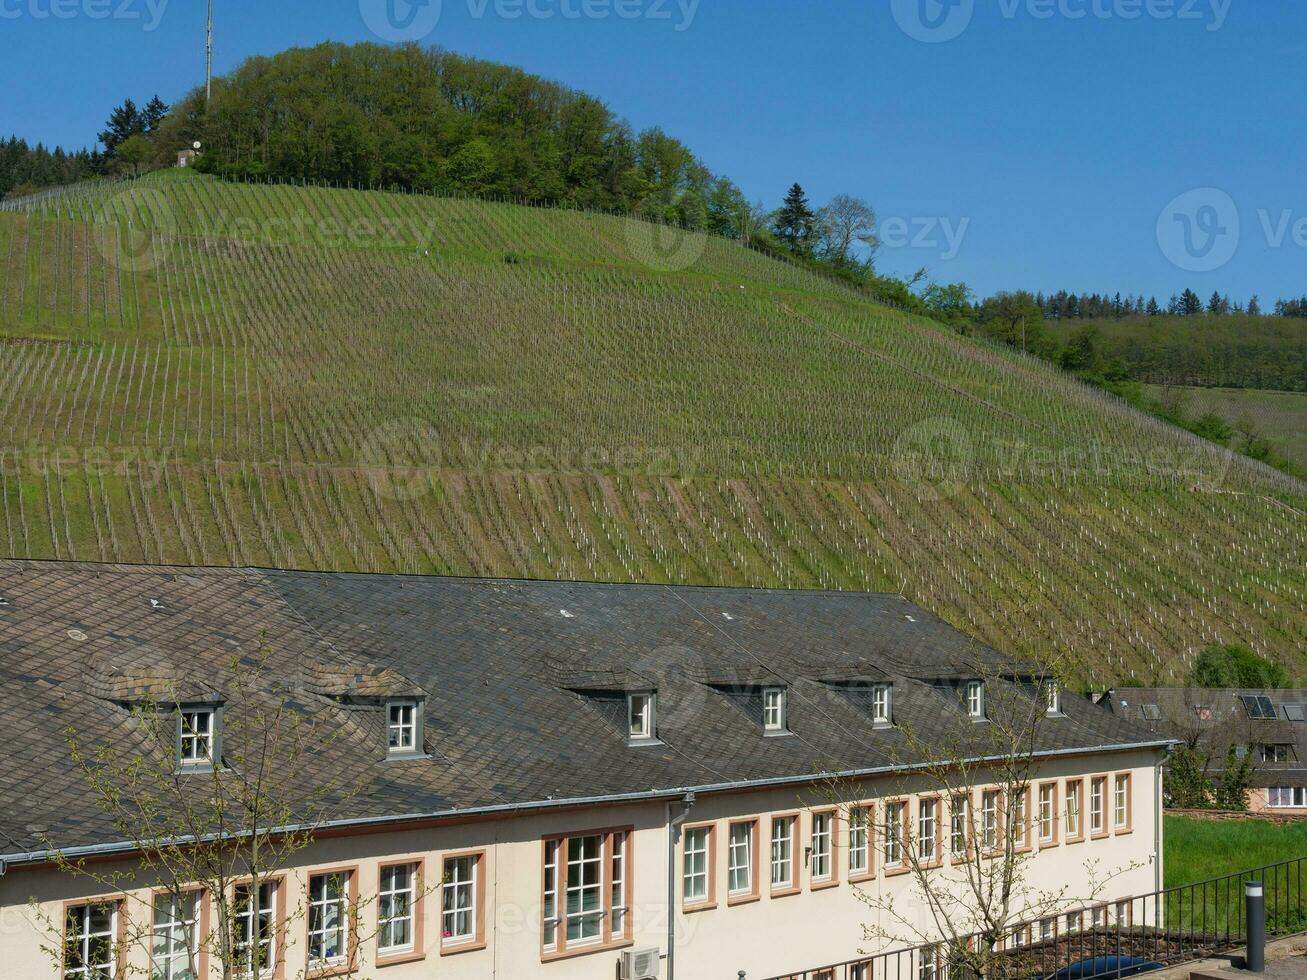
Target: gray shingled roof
x=1218 y=718
x=512 y=674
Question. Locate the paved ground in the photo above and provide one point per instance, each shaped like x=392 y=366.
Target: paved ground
x=1286 y=959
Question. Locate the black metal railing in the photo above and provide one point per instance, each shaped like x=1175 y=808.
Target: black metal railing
x=1113 y=939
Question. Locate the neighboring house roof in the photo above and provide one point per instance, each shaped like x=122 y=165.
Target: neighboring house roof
x=1218 y=718
x=513 y=674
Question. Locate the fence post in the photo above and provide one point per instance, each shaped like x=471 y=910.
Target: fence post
x=1255 y=898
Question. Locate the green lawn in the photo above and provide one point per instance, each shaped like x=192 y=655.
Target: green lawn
x=1197 y=850
x=1277 y=417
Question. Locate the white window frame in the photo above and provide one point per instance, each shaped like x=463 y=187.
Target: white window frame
x=782 y=852
x=859 y=840
x=739 y=858
x=989 y=829
x=821 y=865
x=391 y=894
x=927 y=829
x=1074 y=818
x=959 y=824
x=321 y=907
x=975 y=700
x=1098 y=805
x=1052 y=697
x=260 y=912
x=404 y=735
x=178 y=928
x=641 y=716
x=85 y=939
x=458 y=897
x=198 y=736
x=882 y=704
x=895 y=815
x=1296 y=796
x=1047 y=813
x=696 y=865
x=1121 y=800
x=563 y=855
x=775 y=710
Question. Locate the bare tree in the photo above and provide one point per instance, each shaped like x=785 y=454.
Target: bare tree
x=968 y=850
x=213 y=817
x=845 y=222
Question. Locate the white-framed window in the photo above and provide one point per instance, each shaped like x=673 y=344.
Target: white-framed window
x=1047 y=928
x=739 y=858
x=403 y=727
x=1073 y=809
x=576 y=902
x=694 y=865
x=959 y=819
x=329 y=918
x=1021 y=831
x=1047 y=813
x=175 y=941
x=859 y=843
x=640 y=715
x=782 y=852
x=882 y=704
x=255 y=915
x=196 y=733
x=1098 y=805
x=91 y=942
x=458 y=900
x=1052 y=697
x=396 y=907
x=893 y=833
x=823 y=840
x=617 y=891
x=927 y=829
x=976 y=699
x=1286 y=797
x=1275 y=753
x=928 y=968
x=774 y=709
x=989 y=819
x=1121 y=801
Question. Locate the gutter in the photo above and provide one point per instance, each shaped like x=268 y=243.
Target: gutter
x=673 y=832
x=510 y=809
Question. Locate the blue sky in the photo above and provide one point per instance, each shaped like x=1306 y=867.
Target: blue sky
x=1043 y=146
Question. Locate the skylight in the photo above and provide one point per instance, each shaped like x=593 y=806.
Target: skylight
x=1294 y=712
x=1152 y=712
x=1259 y=707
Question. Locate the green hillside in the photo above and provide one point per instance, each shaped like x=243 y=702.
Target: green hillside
x=1276 y=418
x=199 y=372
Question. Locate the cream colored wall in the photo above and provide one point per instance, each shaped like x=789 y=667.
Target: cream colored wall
x=1259 y=801
x=764 y=938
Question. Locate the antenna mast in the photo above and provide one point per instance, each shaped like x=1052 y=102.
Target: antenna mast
x=208 y=76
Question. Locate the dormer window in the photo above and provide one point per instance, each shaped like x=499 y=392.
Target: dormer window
x=975 y=700
x=775 y=710
x=403 y=728
x=882 y=704
x=198 y=736
x=640 y=720
x=1053 y=697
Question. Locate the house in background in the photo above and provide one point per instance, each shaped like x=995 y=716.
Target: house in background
x=557 y=780
x=1268 y=726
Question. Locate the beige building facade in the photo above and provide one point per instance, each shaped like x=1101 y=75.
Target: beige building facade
x=768 y=882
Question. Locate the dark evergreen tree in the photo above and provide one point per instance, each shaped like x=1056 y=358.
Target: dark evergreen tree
x=1190 y=304
x=156 y=110
x=125 y=121
x=1254 y=306
x=1153 y=309
x=795 y=222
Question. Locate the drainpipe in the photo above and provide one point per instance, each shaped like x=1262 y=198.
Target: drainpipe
x=673 y=829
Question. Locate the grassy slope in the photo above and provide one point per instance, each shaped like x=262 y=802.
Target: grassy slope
x=1278 y=417
x=342 y=379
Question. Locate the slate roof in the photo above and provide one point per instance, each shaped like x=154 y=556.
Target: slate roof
x=509 y=671
x=1218 y=718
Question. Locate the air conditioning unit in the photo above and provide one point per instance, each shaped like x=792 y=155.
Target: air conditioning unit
x=640 y=964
